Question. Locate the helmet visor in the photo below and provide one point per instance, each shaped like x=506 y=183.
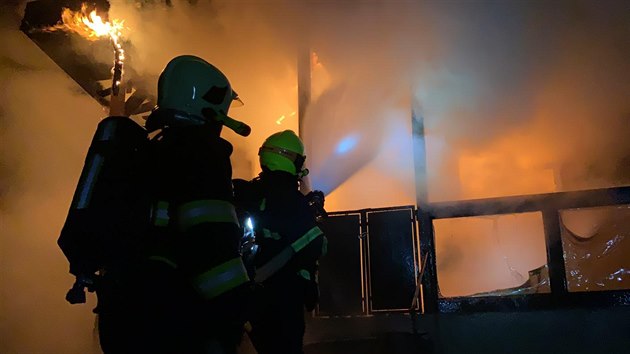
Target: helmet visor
x=297 y=159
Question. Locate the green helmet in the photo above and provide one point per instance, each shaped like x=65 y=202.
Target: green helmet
x=283 y=151
x=197 y=91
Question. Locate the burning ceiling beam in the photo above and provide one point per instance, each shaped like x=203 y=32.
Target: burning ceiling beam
x=80 y=55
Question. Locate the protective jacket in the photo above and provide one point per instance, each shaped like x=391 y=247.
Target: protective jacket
x=290 y=243
x=193 y=211
x=195 y=269
x=161 y=228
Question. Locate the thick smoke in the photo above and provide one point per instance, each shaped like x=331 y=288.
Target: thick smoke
x=240 y=39
x=46 y=123
x=531 y=97
x=516 y=97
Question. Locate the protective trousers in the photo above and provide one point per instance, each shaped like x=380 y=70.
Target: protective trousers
x=278 y=319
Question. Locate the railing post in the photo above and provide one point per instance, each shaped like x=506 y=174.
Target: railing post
x=427 y=241
x=365 y=251
x=555 y=253
x=427 y=247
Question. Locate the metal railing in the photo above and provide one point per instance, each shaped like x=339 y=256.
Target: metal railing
x=549 y=205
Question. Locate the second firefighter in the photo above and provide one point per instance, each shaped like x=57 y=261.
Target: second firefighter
x=289 y=243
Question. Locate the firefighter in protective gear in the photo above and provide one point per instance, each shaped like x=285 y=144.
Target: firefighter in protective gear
x=190 y=286
x=290 y=243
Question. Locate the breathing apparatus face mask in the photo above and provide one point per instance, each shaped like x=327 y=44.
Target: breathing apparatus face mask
x=238 y=127
x=303 y=173
x=297 y=159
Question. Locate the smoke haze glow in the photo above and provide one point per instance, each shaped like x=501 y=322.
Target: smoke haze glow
x=516 y=97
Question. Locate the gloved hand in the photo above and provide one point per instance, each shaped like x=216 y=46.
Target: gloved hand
x=316 y=201
x=311 y=295
x=76 y=294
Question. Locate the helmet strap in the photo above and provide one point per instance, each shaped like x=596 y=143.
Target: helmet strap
x=162 y=118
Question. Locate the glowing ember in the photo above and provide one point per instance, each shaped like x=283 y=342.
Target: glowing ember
x=315 y=62
x=283 y=117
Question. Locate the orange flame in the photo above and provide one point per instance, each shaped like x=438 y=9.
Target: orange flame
x=283 y=117
x=315 y=62
x=89 y=25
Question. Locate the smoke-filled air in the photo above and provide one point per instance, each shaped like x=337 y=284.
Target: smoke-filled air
x=516 y=97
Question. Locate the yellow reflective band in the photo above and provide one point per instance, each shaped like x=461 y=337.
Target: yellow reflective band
x=268 y=234
x=282 y=258
x=161 y=214
x=263 y=204
x=164 y=260
x=307 y=238
x=221 y=278
x=304 y=274
x=325 y=246
x=206 y=211
x=270 y=268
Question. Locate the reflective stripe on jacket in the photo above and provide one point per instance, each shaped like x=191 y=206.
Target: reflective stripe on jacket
x=202 y=211
x=218 y=280
x=196 y=212
x=282 y=258
x=221 y=279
